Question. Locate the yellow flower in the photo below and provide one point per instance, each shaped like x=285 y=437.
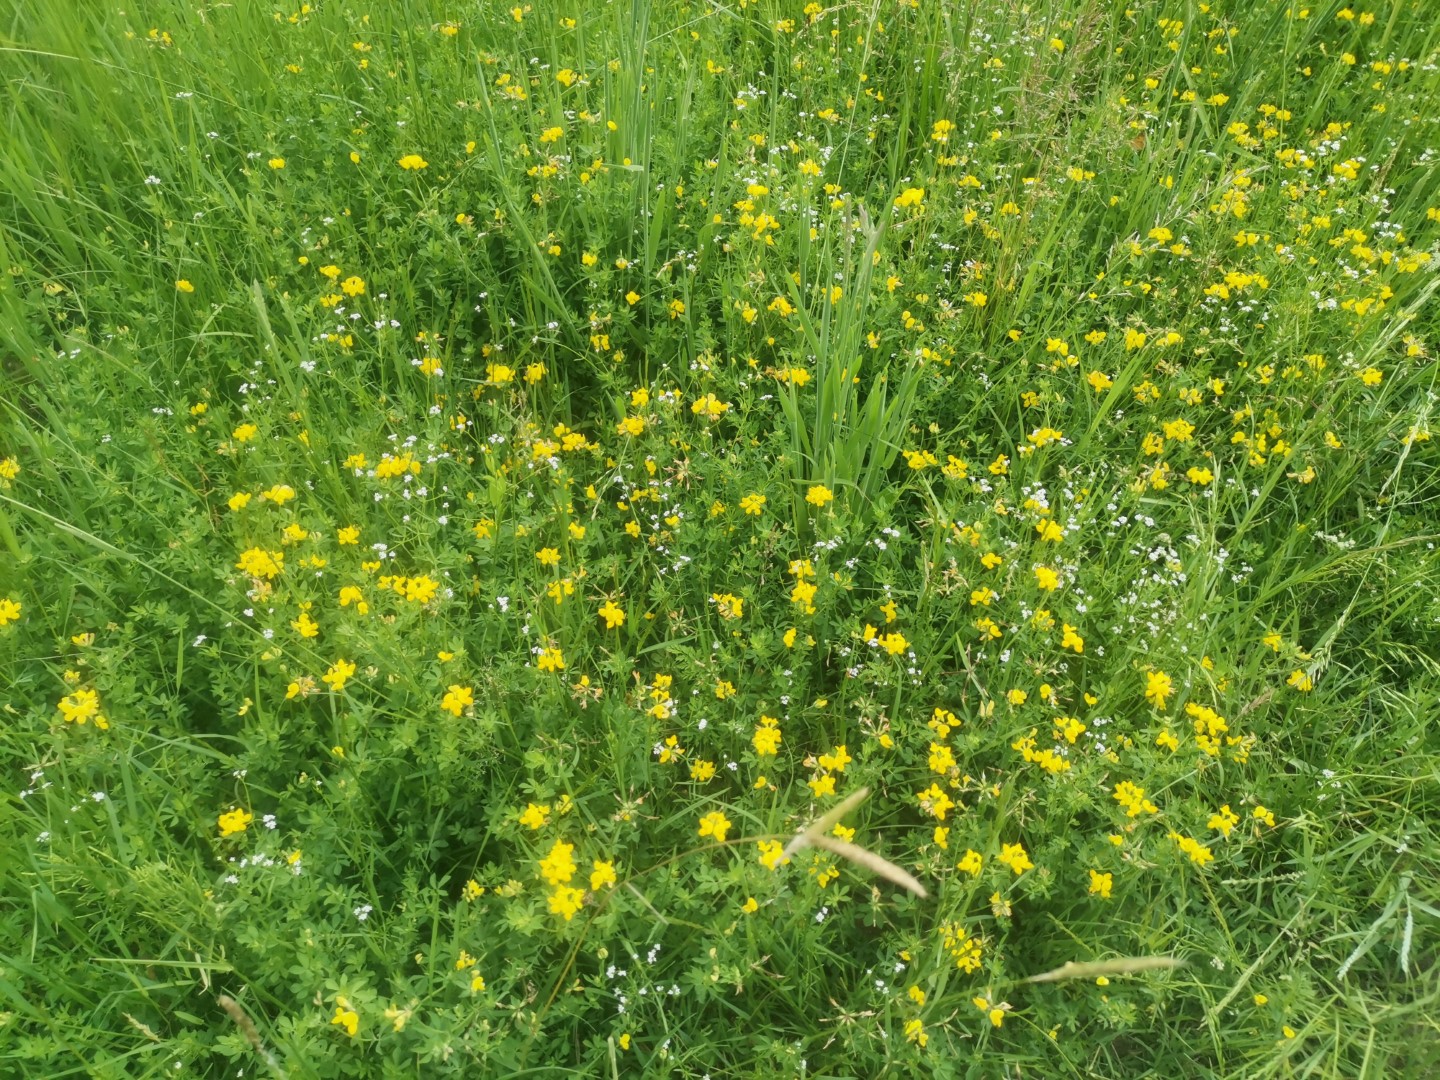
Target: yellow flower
x=1132 y=798
x=235 y=821
x=728 y=605
x=910 y=197
x=1224 y=820
x=1071 y=640
x=602 y=876
x=804 y=594
x=1050 y=531
x=1198 y=852
x=942 y=760
x=413 y=162
x=534 y=816
x=338 y=674
x=819 y=495
x=715 y=824
x=276 y=163
x=822 y=785
x=1100 y=884
x=259 y=563
x=82 y=706
x=702 y=771
x=351 y=594
x=558 y=866
x=565 y=901
x=457 y=699
x=9 y=610
x=353 y=286
x=767 y=738
x=935 y=801
x=1014 y=856
x=893 y=643
x=613 y=615
x=711 y=407
x=1158 y=687
x=184 y=286
x=346 y=1017
x=280 y=494
x=772 y=853
x=995 y=1013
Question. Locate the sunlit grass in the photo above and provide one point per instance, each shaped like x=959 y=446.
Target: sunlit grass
x=660 y=539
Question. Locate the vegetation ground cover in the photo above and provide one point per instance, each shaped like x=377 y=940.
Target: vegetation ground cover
x=477 y=479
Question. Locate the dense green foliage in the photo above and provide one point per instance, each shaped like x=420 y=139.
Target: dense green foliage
x=476 y=480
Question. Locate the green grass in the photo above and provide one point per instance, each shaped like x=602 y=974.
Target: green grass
x=1109 y=334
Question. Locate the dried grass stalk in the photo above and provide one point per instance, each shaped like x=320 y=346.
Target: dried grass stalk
x=1123 y=965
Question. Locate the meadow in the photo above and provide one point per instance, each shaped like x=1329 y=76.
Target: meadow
x=719 y=539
